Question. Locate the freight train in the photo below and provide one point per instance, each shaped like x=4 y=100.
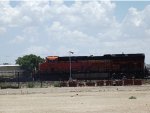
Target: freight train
x=108 y=66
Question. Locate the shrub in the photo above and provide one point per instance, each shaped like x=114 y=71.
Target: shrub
x=30 y=85
x=56 y=84
x=5 y=86
x=132 y=97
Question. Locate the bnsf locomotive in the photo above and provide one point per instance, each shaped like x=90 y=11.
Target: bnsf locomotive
x=108 y=66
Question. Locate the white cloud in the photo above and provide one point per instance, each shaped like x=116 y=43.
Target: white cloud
x=37 y=50
x=56 y=26
x=90 y=27
x=57 y=2
x=147 y=32
x=26 y=19
x=2 y=30
x=12 y=16
x=17 y=40
x=32 y=34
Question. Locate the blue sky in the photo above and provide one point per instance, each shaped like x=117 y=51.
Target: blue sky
x=123 y=6
x=48 y=28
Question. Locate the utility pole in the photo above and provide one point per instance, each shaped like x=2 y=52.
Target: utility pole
x=70 y=77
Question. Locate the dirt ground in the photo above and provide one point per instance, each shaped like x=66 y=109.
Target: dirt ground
x=106 y=99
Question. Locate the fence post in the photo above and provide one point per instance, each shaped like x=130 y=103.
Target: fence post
x=18 y=80
x=133 y=80
x=40 y=79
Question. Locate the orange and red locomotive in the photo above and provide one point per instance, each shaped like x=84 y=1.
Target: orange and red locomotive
x=108 y=66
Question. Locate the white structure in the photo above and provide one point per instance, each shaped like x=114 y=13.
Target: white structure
x=9 y=70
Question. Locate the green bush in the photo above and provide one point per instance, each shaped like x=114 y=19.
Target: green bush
x=5 y=86
x=56 y=84
x=30 y=85
x=132 y=97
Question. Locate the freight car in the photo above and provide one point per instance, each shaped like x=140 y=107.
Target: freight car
x=108 y=66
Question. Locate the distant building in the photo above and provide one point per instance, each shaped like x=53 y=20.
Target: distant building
x=9 y=70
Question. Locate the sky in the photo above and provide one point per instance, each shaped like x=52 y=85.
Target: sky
x=53 y=28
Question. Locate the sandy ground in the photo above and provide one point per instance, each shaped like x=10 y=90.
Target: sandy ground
x=110 y=99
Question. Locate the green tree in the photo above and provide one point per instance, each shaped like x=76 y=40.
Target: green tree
x=29 y=62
